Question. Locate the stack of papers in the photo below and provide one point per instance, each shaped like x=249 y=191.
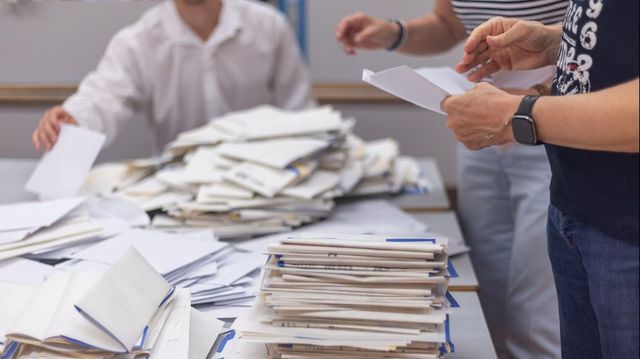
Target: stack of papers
x=32 y=227
x=352 y=296
x=259 y=171
x=126 y=311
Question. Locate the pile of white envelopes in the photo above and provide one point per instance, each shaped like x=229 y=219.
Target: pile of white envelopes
x=351 y=296
x=126 y=311
x=33 y=227
x=259 y=171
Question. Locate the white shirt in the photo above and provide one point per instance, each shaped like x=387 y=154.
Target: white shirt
x=161 y=67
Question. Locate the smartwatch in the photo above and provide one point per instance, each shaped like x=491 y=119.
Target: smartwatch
x=524 y=129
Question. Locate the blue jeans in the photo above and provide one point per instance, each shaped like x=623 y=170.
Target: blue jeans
x=596 y=278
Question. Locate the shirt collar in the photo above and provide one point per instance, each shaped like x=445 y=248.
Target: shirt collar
x=229 y=25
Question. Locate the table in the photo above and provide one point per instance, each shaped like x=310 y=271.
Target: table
x=468 y=327
x=446 y=223
x=435 y=200
x=469 y=333
x=13 y=176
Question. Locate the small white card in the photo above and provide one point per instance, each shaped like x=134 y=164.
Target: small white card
x=62 y=170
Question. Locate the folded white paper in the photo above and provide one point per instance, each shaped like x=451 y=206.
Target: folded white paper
x=125 y=299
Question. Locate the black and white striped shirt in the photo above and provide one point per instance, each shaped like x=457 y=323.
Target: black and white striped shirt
x=474 y=12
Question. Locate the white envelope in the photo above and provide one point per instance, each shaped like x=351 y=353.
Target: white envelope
x=62 y=171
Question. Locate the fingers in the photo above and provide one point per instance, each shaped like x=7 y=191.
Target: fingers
x=480 y=33
x=348 y=28
x=46 y=133
x=483 y=71
x=517 y=33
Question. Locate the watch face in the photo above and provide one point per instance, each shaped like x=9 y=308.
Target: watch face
x=523 y=130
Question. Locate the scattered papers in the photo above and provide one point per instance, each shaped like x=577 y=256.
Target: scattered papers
x=127 y=310
x=23 y=271
x=347 y=296
x=63 y=169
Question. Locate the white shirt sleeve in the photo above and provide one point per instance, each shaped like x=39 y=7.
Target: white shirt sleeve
x=111 y=94
x=292 y=81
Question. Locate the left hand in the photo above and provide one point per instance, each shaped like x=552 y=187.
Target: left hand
x=481 y=117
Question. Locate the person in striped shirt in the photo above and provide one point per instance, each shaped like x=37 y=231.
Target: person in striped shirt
x=503 y=191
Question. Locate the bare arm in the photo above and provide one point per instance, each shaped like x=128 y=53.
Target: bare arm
x=605 y=120
x=435 y=32
x=429 y=34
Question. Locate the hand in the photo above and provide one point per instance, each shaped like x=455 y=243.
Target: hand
x=363 y=31
x=46 y=133
x=509 y=44
x=482 y=116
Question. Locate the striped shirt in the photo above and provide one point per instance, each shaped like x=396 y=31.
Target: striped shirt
x=474 y=12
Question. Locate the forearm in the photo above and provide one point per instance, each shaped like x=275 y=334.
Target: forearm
x=431 y=34
x=605 y=120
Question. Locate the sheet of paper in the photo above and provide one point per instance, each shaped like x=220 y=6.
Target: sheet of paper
x=202 y=167
x=34 y=215
x=207 y=193
x=263 y=180
x=409 y=85
x=270 y=122
x=14 y=298
x=447 y=79
x=62 y=171
x=165 y=251
x=174 y=339
x=126 y=297
x=24 y=271
x=319 y=182
x=203 y=332
x=276 y=153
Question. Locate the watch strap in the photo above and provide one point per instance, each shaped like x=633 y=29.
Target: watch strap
x=526 y=105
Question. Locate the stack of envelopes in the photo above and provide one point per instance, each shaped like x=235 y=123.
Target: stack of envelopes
x=215 y=272
x=31 y=227
x=351 y=296
x=259 y=171
x=127 y=311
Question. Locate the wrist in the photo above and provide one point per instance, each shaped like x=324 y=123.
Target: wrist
x=399 y=32
x=511 y=104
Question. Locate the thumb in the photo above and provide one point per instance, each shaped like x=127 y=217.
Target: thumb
x=445 y=104
x=508 y=38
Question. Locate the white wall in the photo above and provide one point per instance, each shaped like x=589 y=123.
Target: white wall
x=60 y=41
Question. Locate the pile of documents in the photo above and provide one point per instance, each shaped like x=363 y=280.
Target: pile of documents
x=32 y=227
x=259 y=171
x=216 y=274
x=352 y=296
x=126 y=311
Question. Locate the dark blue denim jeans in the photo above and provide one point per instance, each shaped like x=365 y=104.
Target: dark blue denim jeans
x=597 y=282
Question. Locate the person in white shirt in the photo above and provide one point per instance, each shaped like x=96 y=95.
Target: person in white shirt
x=183 y=63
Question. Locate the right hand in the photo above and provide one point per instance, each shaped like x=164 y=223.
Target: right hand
x=365 y=32
x=46 y=133
x=508 y=44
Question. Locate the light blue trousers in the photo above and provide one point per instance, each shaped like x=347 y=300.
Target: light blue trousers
x=503 y=201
